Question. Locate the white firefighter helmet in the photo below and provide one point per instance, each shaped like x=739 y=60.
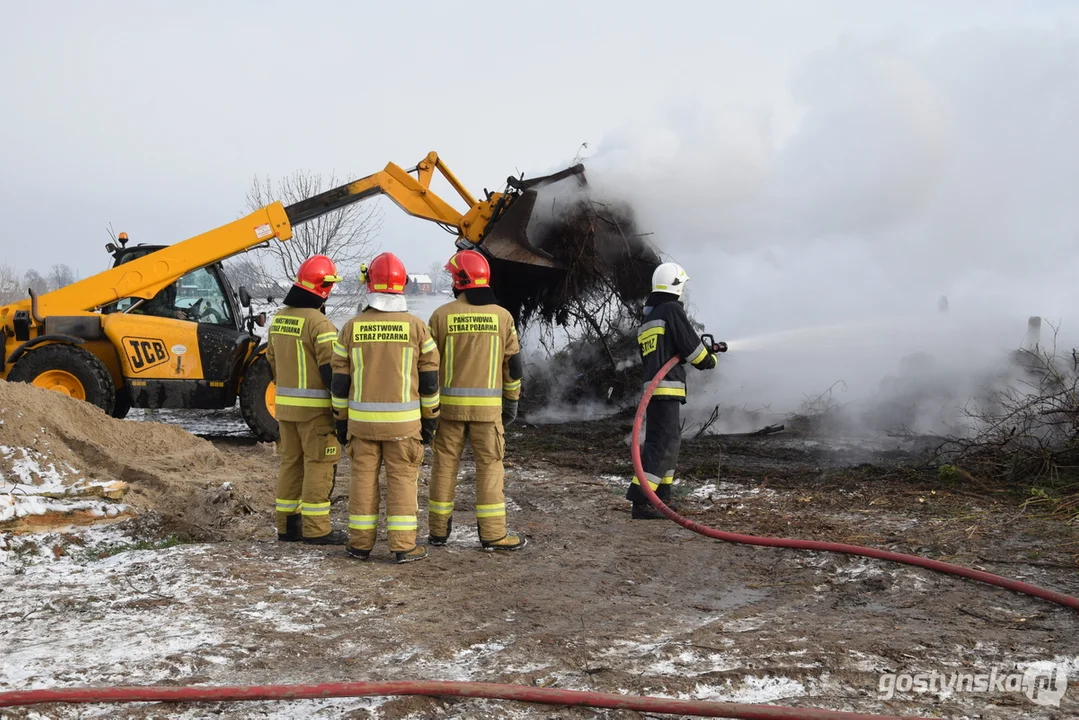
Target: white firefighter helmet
x=669 y=278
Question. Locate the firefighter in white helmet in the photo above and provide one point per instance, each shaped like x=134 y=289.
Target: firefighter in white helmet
x=665 y=332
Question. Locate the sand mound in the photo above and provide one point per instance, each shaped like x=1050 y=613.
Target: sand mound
x=49 y=443
x=82 y=436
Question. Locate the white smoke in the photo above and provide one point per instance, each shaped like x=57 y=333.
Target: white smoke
x=948 y=167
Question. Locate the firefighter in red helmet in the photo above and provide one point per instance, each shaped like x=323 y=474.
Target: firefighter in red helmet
x=385 y=399
x=481 y=385
x=299 y=349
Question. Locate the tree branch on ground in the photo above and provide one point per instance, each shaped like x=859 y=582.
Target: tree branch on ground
x=1027 y=430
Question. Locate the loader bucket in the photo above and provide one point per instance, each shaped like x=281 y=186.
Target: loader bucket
x=555 y=251
x=513 y=235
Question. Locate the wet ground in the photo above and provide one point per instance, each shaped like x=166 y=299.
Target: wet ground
x=596 y=601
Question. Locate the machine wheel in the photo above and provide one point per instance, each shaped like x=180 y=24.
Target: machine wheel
x=257 y=400
x=69 y=370
x=123 y=403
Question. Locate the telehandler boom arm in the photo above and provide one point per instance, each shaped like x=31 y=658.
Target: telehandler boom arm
x=146 y=276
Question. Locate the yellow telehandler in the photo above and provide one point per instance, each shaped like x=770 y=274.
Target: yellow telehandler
x=163 y=328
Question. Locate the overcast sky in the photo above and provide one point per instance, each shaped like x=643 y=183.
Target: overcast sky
x=155 y=116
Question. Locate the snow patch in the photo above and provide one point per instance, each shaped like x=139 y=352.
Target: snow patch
x=717 y=491
x=753 y=690
x=32 y=468
x=131 y=618
x=35 y=485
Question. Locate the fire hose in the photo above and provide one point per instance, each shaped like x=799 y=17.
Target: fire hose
x=937 y=565
x=433 y=688
x=545 y=696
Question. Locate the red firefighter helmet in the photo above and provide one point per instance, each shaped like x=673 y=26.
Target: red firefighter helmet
x=317 y=274
x=385 y=274
x=469 y=269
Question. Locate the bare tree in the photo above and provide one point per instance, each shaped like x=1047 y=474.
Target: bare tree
x=246 y=271
x=440 y=278
x=346 y=235
x=60 y=276
x=10 y=288
x=35 y=281
x=351 y=290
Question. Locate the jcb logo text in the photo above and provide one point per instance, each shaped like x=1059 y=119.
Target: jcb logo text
x=145 y=353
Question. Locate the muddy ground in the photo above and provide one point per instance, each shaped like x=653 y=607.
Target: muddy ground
x=596 y=601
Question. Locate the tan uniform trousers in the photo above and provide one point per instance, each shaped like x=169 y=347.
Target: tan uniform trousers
x=402 y=459
x=309 y=454
x=489 y=446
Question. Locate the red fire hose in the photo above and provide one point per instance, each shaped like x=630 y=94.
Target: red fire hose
x=523 y=693
x=635 y=451
x=492 y=691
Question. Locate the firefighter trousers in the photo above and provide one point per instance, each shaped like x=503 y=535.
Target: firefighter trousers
x=489 y=447
x=659 y=454
x=309 y=453
x=402 y=459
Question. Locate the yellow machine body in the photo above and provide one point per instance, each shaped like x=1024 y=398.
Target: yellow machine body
x=88 y=340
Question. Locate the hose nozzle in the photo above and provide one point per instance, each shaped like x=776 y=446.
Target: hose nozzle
x=710 y=342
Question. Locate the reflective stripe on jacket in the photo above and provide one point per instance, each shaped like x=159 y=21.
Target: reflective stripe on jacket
x=665 y=332
x=379 y=360
x=476 y=343
x=298 y=342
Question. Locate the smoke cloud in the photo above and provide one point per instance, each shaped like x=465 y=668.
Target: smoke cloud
x=919 y=169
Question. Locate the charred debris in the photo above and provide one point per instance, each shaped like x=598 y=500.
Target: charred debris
x=587 y=314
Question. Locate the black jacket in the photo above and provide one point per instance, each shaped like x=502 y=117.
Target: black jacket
x=666 y=332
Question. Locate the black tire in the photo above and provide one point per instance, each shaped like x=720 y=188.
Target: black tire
x=253 y=386
x=123 y=403
x=86 y=367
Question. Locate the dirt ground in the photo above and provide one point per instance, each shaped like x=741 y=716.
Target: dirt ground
x=196 y=589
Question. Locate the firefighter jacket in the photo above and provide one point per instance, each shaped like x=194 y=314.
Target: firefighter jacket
x=666 y=332
x=385 y=375
x=300 y=342
x=479 y=347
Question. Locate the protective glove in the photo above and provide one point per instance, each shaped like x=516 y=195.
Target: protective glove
x=341 y=426
x=509 y=412
x=428 y=426
x=708 y=363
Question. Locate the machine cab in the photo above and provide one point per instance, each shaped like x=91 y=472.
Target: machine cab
x=183 y=348
x=203 y=295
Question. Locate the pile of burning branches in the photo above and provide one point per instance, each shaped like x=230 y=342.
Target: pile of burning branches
x=1027 y=432
x=821 y=414
x=606 y=258
x=587 y=316
x=599 y=366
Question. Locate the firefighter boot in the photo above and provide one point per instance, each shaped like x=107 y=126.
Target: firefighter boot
x=357 y=553
x=334 y=537
x=512 y=541
x=646 y=511
x=418 y=552
x=293 y=529
x=441 y=540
